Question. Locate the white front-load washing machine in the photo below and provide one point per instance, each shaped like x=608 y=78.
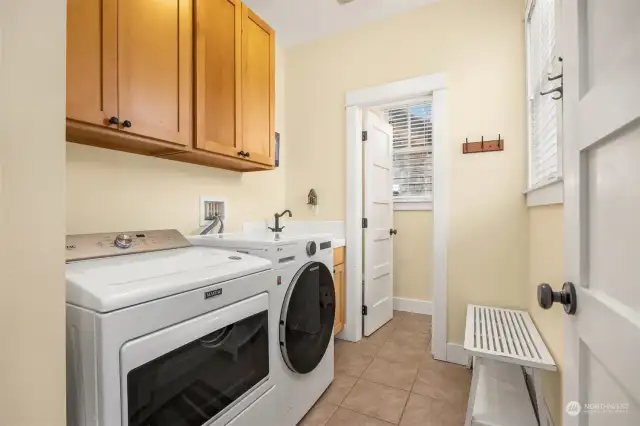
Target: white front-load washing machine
x=166 y=334
x=304 y=305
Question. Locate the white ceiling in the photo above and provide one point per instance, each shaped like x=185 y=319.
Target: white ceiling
x=300 y=21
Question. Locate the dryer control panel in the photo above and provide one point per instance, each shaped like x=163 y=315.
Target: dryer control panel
x=91 y=246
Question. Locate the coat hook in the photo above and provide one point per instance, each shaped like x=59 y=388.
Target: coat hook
x=555 y=77
x=556 y=89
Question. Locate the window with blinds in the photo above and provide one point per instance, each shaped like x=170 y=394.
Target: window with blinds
x=412 y=150
x=541 y=29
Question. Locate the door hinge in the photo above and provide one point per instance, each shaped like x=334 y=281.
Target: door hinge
x=365 y=222
x=364 y=136
x=364 y=310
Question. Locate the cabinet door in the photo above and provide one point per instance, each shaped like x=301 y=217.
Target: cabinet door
x=338 y=280
x=154 y=68
x=218 y=46
x=258 y=88
x=91 y=60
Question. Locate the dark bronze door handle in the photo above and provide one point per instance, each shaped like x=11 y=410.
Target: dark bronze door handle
x=567 y=297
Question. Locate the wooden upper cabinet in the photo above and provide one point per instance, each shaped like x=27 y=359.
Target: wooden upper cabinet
x=217 y=63
x=91 y=60
x=258 y=88
x=190 y=80
x=155 y=69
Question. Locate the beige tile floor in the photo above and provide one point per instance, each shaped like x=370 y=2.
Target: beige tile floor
x=390 y=378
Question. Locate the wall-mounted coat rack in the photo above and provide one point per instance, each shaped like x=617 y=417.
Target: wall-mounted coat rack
x=483 y=146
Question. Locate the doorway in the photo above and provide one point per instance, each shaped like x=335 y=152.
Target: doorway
x=357 y=102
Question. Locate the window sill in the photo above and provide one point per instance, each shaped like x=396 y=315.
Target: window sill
x=404 y=206
x=547 y=194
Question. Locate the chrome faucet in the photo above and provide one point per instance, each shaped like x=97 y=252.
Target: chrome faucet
x=277 y=217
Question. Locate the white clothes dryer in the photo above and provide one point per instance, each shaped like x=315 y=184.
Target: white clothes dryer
x=304 y=305
x=162 y=333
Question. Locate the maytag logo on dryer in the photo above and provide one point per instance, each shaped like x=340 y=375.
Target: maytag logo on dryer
x=212 y=293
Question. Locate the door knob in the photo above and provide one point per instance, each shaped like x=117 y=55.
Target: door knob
x=241 y=153
x=393 y=232
x=567 y=297
x=126 y=123
x=114 y=120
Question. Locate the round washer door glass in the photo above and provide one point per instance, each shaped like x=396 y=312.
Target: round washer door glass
x=306 y=321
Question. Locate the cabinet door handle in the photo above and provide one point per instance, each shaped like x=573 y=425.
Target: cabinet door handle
x=126 y=123
x=247 y=154
x=241 y=153
x=114 y=120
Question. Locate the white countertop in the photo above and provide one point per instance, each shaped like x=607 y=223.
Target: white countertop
x=304 y=227
x=339 y=242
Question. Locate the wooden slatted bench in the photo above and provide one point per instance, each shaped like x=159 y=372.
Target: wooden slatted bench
x=502 y=342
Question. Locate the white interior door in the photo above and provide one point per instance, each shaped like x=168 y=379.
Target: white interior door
x=602 y=211
x=378 y=211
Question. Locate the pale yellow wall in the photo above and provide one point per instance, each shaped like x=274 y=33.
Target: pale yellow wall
x=479 y=45
x=413 y=255
x=32 y=110
x=113 y=191
x=546 y=260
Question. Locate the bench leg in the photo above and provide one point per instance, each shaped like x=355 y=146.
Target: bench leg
x=542 y=409
x=472 y=392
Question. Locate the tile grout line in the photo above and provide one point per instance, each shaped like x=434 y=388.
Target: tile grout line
x=358 y=413
x=359 y=378
x=413 y=384
x=414 y=379
x=410 y=392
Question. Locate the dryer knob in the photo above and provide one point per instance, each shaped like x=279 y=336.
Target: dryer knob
x=123 y=241
x=311 y=248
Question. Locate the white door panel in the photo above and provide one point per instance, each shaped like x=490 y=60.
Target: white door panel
x=602 y=207
x=378 y=209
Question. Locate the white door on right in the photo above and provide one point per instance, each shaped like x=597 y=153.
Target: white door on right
x=602 y=211
x=378 y=211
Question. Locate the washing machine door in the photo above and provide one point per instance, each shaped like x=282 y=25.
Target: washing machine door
x=306 y=320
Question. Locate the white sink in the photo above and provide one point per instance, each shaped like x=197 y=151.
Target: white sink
x=303 y=227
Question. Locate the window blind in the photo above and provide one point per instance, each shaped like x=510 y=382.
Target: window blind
x=412 y=150
x=543 y=162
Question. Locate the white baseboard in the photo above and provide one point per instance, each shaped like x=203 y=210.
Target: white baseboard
x=412 y=305
x=456 y=354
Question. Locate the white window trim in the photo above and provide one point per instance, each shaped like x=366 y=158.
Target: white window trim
x=551 y=192
x=412 y=205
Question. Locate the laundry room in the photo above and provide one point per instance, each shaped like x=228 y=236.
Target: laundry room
x=327 y=213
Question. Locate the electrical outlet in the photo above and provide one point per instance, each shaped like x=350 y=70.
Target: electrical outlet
x=211 y=206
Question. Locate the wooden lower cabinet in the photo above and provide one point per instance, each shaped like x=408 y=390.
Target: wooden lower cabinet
x=339 y=284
